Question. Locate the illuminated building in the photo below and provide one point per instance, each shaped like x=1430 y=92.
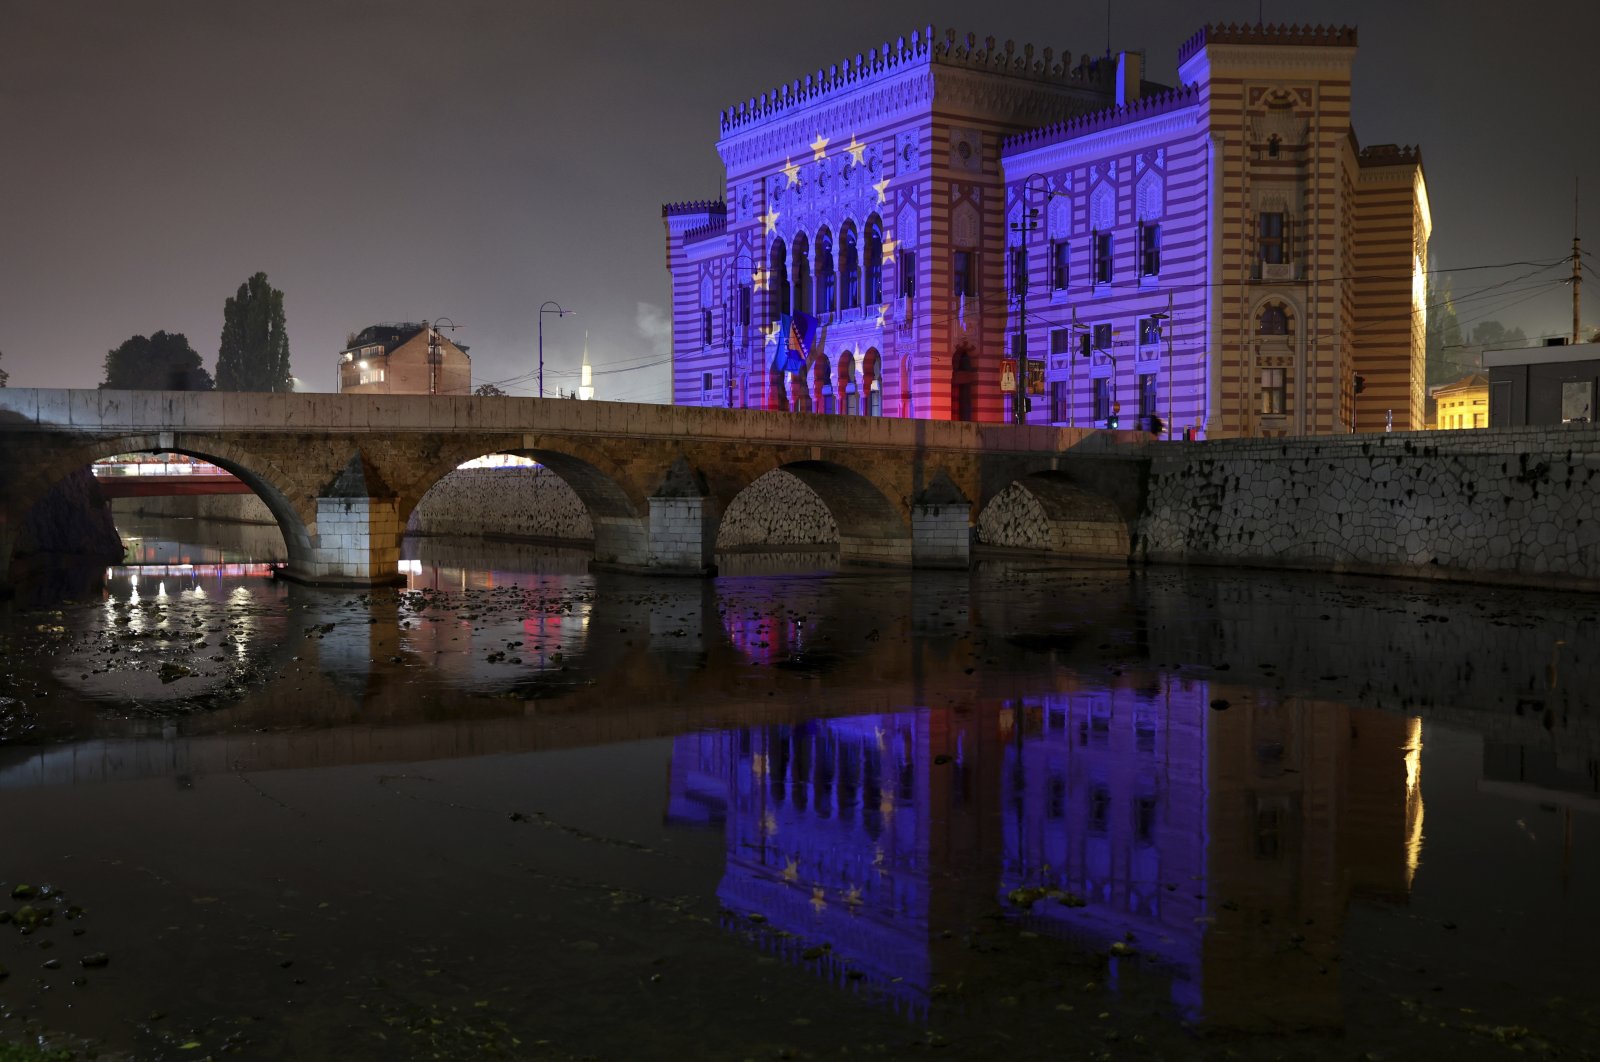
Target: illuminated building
x=404 y=358
x=1462 y=403
x=1220 y=254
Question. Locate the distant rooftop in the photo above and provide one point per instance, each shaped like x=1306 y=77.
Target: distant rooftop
x=391 y=334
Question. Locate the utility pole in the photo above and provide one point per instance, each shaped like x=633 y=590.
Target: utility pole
x=1577 y=267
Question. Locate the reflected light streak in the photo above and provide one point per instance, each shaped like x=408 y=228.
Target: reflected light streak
x=1413 y=750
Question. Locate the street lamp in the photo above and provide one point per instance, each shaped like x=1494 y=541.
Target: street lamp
x=739 y=311
x=1165 y=317
x=434 y=356
x=1029 y=223
x=550 y=306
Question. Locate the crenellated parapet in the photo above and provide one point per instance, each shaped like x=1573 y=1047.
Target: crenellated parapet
x=694 y=206
x=717 y=226
x=1390 y=155
x=1072 y=128
x=923 y=49
x=1260 y=33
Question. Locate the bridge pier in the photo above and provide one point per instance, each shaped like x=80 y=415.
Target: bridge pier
x=683 y=524
x=357 y=537
x=941 y=529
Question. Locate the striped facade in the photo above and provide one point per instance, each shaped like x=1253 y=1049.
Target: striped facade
x=1219 y=257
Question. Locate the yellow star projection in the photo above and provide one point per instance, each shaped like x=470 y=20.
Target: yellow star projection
x=858 y=152
x=770 y=219
x=880 y=187
x=889 y=244
x=791 y=171
x=883 y=316
x=791 y=870
x=819 y=148
x=758 y=279
x=852 y=896
x=818 y=903
x=772 y=333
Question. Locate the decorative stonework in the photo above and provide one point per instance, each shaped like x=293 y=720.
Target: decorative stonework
x=1151 y=196
x=1103 y=207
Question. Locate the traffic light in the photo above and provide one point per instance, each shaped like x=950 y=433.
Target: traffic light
x=1361 y=383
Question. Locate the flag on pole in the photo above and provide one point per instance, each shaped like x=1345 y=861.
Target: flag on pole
x=796 y=333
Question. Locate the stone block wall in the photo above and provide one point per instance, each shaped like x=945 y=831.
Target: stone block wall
x=223 y=508
x=1056 y=519
x=517 y=503
x=777 y=510
x=1518 y=506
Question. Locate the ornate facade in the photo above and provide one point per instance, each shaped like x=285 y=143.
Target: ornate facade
x=1220 y=255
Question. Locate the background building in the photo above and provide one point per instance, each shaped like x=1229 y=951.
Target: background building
x=404 y=358
x=1552 y=384
x=1220 y=254
x=1462 y=403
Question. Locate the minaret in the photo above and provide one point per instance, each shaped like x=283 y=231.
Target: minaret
x=586 y=384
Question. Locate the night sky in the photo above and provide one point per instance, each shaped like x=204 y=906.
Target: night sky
x=399 y=159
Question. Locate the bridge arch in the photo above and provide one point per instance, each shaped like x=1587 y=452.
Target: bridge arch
x=617 y=504
x=868 y=528
x=1050 y=512
x=287 y=501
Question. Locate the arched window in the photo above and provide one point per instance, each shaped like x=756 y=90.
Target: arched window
x=851 y=267
x=778 y=272
x=963 y=384
x=801 y=289
x=874 y=292
x=871 y=384
x=1274 y=321
x=822 y=384
x=847 y=383
x=827 y=287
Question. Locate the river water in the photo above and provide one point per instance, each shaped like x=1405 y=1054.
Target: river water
x=517 y=810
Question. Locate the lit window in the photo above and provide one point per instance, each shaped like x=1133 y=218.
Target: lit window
x=1102 y=397
x=1149 y=331
x=1273 y=391
x=1058 y=265
x=1147 y=394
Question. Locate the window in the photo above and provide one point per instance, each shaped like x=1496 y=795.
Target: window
x=1102 y=397
x=744 y=305
x=966 y=281
x=372 y=376
x=1149 y=331
x=778 y=303
x=1270 y=242
x=874 y=266
x=1102 y=337
x=1019 y=270
x=705 y=327
x=827 y=297
x=705 y=381
x=1060 y=341
x=1273 y=391
x=1102 y=258
x=1149 y=250
x=1147 y=394
x=1274 y=321
x=1099 y=809
x=1144 y=819
x=1058 y=265
x=908 y=274
x=852 y=271
x=1060 y=401
x=1273 y=143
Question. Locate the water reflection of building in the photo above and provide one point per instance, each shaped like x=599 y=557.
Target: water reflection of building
x=1226 y=843
x=852 y=832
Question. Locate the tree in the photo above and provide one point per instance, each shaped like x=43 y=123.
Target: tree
x=1488 y=335
x=4 y=376
x=162 y=362
x=487 y=391
x=254 y=355
x=1447 y=356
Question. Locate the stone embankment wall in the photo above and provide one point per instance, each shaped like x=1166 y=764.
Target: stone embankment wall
x=1514 y=505
x=1053 y=518
x=777 y=510
x=222 y=508
x=518 y=503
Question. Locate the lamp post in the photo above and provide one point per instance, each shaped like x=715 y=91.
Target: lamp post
x=1165 y=317
x=737 y=312
x=1029 y=223
x=433 y=350
x=550 y=306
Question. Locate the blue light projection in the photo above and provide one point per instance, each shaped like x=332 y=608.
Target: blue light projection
x=1114 y=819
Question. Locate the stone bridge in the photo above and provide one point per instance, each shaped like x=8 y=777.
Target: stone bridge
x=342 y=473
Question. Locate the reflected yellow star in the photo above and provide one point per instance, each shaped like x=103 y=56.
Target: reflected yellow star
x=758 y=765
x=769 y=824
x=880 y=187
x=791 y=171
x=818 y=903
x=883 y=316
x=858 y=152
x=852 y=896
x=770 y=219
x=791 y=870
x=886 y=805
x=818 y=147
x=878 y=733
